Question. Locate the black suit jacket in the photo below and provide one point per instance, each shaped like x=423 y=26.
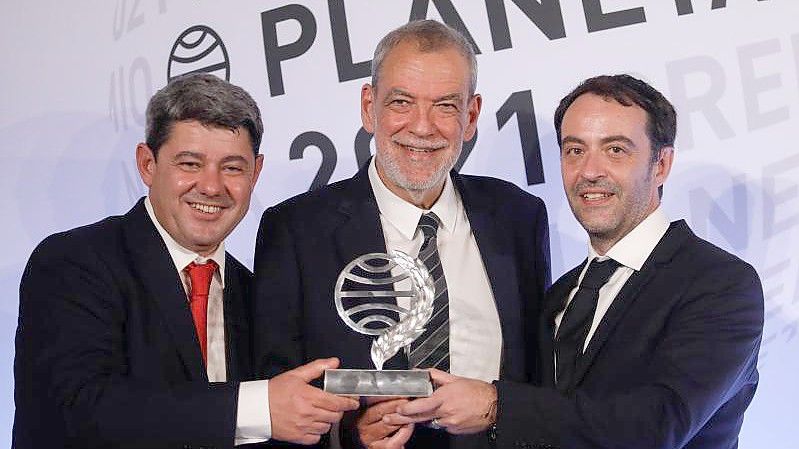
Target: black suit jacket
x=671 y=365
x=106 y=352
x=304 y=242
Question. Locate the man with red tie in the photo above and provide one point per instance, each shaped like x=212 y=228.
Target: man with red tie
x=133 y=331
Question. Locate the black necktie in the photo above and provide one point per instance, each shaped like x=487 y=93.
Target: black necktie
x=431 y=349
x=576 y=321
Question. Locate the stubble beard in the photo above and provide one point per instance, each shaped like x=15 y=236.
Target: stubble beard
x=606 y=232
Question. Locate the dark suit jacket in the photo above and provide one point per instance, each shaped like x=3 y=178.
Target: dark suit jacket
x=106 y=352
x=671 y=365
x=304 y=242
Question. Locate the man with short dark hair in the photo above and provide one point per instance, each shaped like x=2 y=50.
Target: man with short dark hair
x=133 y=331
x=652 y=342
x=485 y=241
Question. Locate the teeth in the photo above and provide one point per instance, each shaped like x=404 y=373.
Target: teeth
x=208 y=209
x=595 y=196
x=419 y=150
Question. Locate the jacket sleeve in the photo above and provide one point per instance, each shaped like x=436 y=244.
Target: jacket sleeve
x=72 y=364
x=706 y=355
x=277 y=303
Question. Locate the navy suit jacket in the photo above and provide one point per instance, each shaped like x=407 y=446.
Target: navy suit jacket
x=106 y=351
x=304 y=242
x=671 y=365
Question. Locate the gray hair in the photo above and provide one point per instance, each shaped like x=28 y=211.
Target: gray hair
x=207 y=99
x=430 y=36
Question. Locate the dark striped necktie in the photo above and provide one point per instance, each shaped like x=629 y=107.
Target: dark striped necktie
x=431 y=349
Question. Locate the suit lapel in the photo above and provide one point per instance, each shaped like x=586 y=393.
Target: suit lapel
x=556 y=296
x=553 y=304
x=162 y=285
x=359 y=231
x=496 y=253
x=235 y=325
x=663 y=252
x=626 y=296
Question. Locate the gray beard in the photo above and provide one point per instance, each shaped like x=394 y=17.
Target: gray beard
x=391 y=169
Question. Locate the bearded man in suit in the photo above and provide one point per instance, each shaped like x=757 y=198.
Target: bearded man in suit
x=485 y=241
x=653 y=340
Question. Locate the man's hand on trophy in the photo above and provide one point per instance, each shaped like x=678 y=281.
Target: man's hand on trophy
x=372 y=429
x=459 y=404
x=395 y=441
x=301 y=413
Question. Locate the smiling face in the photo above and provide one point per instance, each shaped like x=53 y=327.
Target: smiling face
x=608 y=174
x=420 y=113
x=200 y=183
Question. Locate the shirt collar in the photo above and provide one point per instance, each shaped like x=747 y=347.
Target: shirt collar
x=182 y=256
x=405 y=216
x=634 y=248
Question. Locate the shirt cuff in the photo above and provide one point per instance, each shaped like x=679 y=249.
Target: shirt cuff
x=253 y=422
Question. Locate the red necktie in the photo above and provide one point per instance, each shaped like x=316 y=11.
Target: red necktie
x=200 y=276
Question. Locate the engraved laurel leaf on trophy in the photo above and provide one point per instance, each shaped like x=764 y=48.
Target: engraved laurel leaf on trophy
x=365 y=309
x=412 y=324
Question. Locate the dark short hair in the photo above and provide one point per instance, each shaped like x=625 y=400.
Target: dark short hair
x=207 y=99
x=430 y=36
x=661 y=126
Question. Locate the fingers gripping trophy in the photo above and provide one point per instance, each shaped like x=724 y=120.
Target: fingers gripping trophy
x=360 y=298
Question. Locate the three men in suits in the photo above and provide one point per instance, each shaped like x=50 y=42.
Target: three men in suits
x=133 y=331
x=653 y=340
x=491 y=237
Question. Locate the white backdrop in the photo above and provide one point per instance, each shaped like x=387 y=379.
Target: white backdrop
x=77 y=75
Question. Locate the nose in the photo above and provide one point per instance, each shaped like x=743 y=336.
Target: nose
x=421 y=122
x=209 y=183
x=592 y=165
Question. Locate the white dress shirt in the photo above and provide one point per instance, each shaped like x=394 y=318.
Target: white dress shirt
x=475 y=333
x=631 y=252
x=253 y=423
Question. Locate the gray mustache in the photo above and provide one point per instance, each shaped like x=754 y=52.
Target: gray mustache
x=421 y=143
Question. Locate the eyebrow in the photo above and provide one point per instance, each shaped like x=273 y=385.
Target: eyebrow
x=618 y=138
x=572 y=139
x=455 y=96
x=604 y=140
x=234 y=158
x=450 y=97
x=397 y=91
x=187 y=153
x=226 y=159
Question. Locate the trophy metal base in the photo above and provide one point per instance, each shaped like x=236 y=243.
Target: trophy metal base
x=369 y=382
